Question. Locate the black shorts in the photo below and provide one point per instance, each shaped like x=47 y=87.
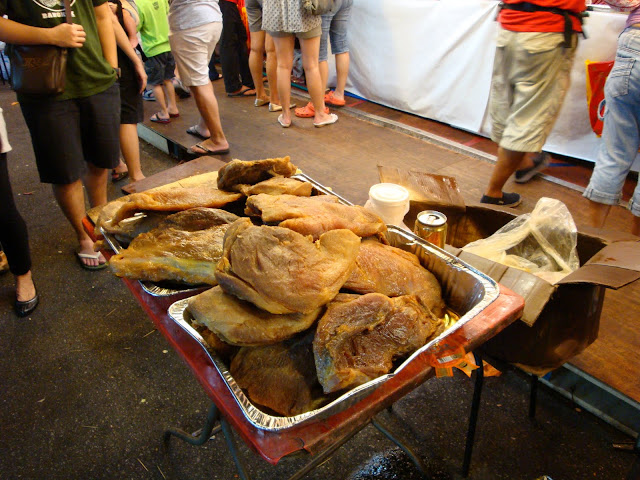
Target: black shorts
x=131 y=107
x=159 y=68
x=67 y=133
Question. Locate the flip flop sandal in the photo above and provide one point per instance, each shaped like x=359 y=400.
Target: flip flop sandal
x=157 y=119
x=248 y=92
x=205 y=150
x=93 y=256
x=194 y=131
x=174 y=115
x=117 y=176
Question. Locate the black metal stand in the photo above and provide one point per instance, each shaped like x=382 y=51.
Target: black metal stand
x=214 y=416
x=475 y=405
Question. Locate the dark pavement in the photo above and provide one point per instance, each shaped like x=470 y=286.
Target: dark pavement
x=87 y=387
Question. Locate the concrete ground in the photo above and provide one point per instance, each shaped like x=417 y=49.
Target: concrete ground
x=87 y=387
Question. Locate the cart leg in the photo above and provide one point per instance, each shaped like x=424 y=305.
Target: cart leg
x=205 y=432
x=414 y=458
x=231 y=445
x=473 y=417
x=533 y=394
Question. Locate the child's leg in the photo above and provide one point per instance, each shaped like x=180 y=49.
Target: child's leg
x=158 y=92
x=170 y=91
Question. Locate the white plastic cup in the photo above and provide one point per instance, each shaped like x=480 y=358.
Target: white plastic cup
x=390 y=201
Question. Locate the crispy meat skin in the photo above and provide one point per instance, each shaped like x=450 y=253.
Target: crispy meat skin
x=314 y=215
x=186 y=246
x=281 y=377
x=356 y=341
x=241 y=323
x=394 y=272
x=282 y=271
x=239 y=172
x=175 y=199
x=278 y=186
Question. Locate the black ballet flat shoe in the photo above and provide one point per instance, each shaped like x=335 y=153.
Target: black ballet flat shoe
x=25 y=308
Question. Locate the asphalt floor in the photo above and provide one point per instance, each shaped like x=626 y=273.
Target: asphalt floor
x=88 y=386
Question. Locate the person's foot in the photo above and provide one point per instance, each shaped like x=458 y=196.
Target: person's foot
x=160 y=118
x=276 y=107
x=540 y=162
x=332 y=99
x=283 y=122
x=260 y=102
x=243 y=92
x=309 y=111
x=148 y=96
x=87 y=255
x=4 y=263
x=25 y=289
x=209 y=147
x=507 y=200
x=116 y=175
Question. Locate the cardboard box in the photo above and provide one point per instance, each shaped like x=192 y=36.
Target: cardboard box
x=559 y=321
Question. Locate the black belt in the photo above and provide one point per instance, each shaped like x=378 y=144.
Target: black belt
x=566 y=14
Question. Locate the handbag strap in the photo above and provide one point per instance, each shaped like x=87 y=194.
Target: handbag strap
x=67 y=11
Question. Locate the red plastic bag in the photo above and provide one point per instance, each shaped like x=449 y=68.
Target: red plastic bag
x=597 y=73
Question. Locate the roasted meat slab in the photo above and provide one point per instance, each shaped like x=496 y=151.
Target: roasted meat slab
x=241 y=323
x=186 y=246
x=175 y=199
x=394 y=272
x=281 y=377
x=278 y=186
x=240 y=172
x=282 y=271
x=314 y=215
x=356 y=341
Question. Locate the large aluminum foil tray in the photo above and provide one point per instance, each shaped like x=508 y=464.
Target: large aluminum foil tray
x=465 y=290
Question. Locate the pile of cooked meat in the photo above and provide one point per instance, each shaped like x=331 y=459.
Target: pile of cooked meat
x=308 y=301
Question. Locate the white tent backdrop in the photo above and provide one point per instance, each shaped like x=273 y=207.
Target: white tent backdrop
x=433 y=58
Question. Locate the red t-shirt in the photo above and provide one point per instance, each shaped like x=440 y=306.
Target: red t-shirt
x=540 y=21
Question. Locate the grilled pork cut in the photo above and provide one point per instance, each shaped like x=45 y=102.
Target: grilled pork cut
x=357 y=339
x=241 y=323
x=282 y=271
x=281 y=377
x=314 y=215
x=186 y=247
x=240 y=172
x=278 y=186
x=394 y=272
x=175 y=199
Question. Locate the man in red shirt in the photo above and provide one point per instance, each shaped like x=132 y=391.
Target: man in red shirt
x=534 y=54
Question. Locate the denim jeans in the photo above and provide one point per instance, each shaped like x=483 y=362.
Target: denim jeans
x=621 y=131
x=334 y=27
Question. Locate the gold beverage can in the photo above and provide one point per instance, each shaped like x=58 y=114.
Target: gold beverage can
x=431 y=226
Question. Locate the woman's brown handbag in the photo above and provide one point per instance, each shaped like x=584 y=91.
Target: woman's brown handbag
x=317 y=7
x=39 y=69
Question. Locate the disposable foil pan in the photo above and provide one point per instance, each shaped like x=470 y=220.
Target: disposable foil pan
x=465 y=290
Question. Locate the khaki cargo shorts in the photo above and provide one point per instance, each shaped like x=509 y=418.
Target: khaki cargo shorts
x=531 y=75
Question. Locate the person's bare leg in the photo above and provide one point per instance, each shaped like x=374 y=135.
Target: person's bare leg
x=272 y=69
x=170 y=92
x=122 y=167
x=598 y=213
x=70 y=198
x=324 y=73
x=342 y=72
x=508 y=162
x=25 y=289
x=310 y=48
x=256 y=58
x=158 y=93
x=284 y=53
x=130 y=147
x=210 y=115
